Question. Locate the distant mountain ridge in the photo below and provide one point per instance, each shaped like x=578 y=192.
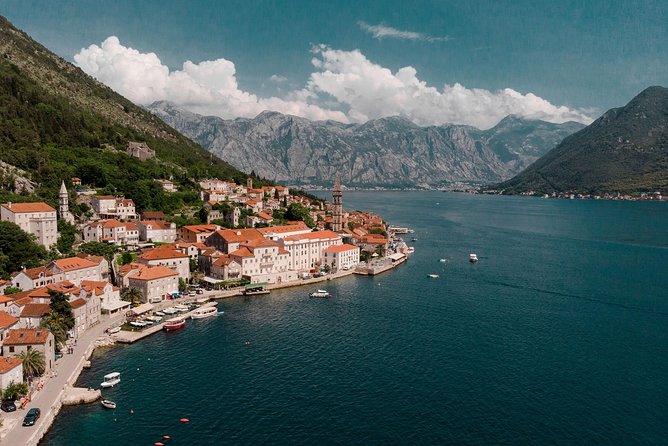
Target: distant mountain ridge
x=625 y=150
x=386 y=152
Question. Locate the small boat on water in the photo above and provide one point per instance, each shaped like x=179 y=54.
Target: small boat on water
x=433 y=276
x=410 y=250
x=320 y=293
x=414 y=239
x=111 y=379
x=473 y=258
x=174 y=323
x=108 y=404
x=201 y=313
x=443 y=260
x=182 y=308
x=113 y=329
x=159 y=313
x=153 y=318
x=170 y=310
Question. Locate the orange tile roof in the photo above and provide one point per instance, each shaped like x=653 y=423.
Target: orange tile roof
x=34 y=273
x=91 y=258
x=162 y=253
x=7 y=320
x=35 y=310
x=78 y=303
x=264 y=216
x=28 y=207
x=155 y=272
x=7 y=363
x=74 y=263
x=242 y=252
x=314 y=235
x=200 y=228
x=26 y=336
x=282 y=229
x=259 y=243
x=240 y=235
x=342 y=248
x=222 y=261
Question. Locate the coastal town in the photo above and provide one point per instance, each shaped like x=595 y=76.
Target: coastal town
x=130 y=263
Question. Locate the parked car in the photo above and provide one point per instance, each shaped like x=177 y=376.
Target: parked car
x=8 y=406
x=31 y=417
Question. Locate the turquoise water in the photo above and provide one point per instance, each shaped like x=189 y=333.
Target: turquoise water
x=559 y=335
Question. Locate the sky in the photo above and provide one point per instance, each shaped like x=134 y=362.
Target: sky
x=433 y=62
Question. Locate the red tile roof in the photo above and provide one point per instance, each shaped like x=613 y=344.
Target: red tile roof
x=35 y=310
x=342 y=248
x=26 y=336
x=283 y=229
x=7 y=320
x=155 y=272
x=314 y=236
x=7 y=363
x=162 y=253
x=74 y=263
x=243 y=252
x=240 y=235
x=28 y=207
x=78 y=303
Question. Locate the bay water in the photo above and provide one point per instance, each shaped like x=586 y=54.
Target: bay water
x=558 y=335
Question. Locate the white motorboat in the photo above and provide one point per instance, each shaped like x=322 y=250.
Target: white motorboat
x=473 y=258
x=159 y=313
x=170 y=310
x=153 y=318
x=139 y=324
x=433 y=276
x=108 y=404
x=443 y=260
x=320 y=293
x=201 y=313
x=113 y=329
x=181 y=308
x=111 y=379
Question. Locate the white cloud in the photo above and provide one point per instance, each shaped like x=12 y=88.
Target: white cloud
x=277 y=78
x=345 y=86
x=381 y=32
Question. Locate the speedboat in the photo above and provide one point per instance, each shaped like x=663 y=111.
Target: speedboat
x=433 y=276
x=111 y=379
x=113 y=329
x=108 y=404
x=201 y=313
x=153 y=318
x=443 y=260
x=170 y=310
x=320 y=293
x=174 y=323
x=159 y=313
x=139 y=324
x=181 y=308
x=414 y=239
x=473 y=258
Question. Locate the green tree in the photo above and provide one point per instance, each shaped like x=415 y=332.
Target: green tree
x=56 y=324
x=18 y=249
x=12 y=290
x=125 y=258
x=182 y=284
x=14 y=391
x=203 y=215
x=66 y=238
x=34 y=363
x=98 y=249
x=297 y=212
x=61 y=305
x=132 y=295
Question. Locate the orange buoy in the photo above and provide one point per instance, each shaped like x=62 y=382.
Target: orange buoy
x=157 y=443
x=184 y=420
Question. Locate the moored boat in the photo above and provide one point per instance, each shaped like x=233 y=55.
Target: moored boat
x=201 y=313
x=174 y=323
x=433 y=276
x=108 y=404
x=170 y=310
x=113 y=329
x=181 y=308
x=111 y=379
x=473 y=258
x=320 y=293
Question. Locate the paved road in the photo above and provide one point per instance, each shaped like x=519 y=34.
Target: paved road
x=47 y=398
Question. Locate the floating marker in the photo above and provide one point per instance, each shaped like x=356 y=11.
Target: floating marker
x=157 y=443
x=166 y=437
x=185 y=420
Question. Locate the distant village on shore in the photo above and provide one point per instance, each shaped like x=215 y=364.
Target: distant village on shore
x=248 y=237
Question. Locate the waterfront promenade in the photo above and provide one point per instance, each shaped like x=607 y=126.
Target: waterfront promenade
x=48 y=399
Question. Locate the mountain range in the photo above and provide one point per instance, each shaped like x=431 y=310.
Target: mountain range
x=625 y=151
x=387 y=152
